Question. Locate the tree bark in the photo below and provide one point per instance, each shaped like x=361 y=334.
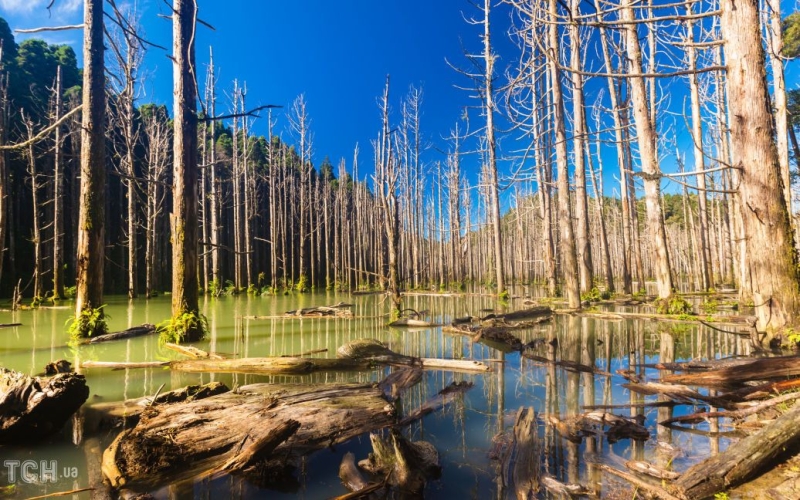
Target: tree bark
x=769 y=240
x=91 y=218
x=184 y=182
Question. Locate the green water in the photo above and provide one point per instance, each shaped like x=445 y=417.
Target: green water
x=468 y=434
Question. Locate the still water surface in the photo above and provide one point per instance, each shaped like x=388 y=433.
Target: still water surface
x=468 y=434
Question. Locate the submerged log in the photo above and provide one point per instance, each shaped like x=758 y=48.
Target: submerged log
x=679 y=393
x=60 y=366
x=377 y=352
x=192 y=352
x=651 y=470
x=757 y=369
x=742 y=460
x=443 y=398
x=567 y=490
x=340 y=310
x=526 y=467
x=399 y=380
x=178 y=441
x=351 y=477
x=576 y=427
x=136 y=331
x=271 y=366
x=523 y=314
x=31 y=408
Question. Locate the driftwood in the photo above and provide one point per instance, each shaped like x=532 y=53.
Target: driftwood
x=376 y=351
x=758 y=369
x=179 y=441
x=351 y=477
x=60 y=366
x=679 y=393
x=710 y=364
x=339 y=310
x=136 y=331
x=526 y=466
x=270 y=366
x=406 y=465
x=741 y=461
x=126 y=413
x=123 y=365
x=576 y=427
x=651 y=470
x=524 y=314
x=31 y=408
x=653 y=489
x=192 y=352
x=443 y=398
x=740 y=413
x=556 y=487
x=399 y=380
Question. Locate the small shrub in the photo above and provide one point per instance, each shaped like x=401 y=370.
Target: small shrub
x=188 y=327
x=673 y=305
x=592 y=295
x=302 y=284
x=504 y=296
x=89 y=323
x=69 y=292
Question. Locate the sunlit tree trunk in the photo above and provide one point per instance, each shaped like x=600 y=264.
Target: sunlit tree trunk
x=58 y=195
x=184 y=182
x=91 y=218
x=769 y=240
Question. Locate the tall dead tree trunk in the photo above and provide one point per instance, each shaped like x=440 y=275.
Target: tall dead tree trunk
x=769 y=240
x=91 y=218
x=567 y=242
x=184 y=182
x=58 y=196
x=651 y=173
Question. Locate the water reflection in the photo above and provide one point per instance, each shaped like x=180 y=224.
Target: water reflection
x=470 y=434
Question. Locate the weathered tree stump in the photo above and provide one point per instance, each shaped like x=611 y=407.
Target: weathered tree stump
x=31 y=408
x=178 y=441
x=406 y=465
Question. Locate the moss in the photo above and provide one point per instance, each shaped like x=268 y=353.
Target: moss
x=90 y=322
x=188 y=327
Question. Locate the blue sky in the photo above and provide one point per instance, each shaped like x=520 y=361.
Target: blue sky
x=338 y=54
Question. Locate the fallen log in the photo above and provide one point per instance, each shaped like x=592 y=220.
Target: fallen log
x=523 y=314
x=60 y=366
x=339 y=310
x=733 y=414
x=9 y=325
x=653 y=489
x=271 y=366
x=179 y=441
x=758 y=369
x=564 y=490
x=192 y=352
x=651 y=470
x=136 y=331
x=761 y=391
x=124 y=365
x=576 y=427
x=709 y=364
x=32 y=409
x=526 y=467
x=740 y=461
x=399 y=380
x=443 y=398
x=679 y=393
x=376 y=351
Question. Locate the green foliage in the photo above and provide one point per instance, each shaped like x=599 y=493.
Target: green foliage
x=230 y=288
x=187 y=327
x=302 y=284
x=89 y=323
x=37 y=301
x=675 y=304
x=592 y=295
x=504 y=296
x=213 y=288
x=70 y=291
x=721 y=496
x=252 y=289
x=791 y=35
x=709 y=306
x=792 y=335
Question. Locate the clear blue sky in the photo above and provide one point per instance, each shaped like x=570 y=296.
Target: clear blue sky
x=338 y=54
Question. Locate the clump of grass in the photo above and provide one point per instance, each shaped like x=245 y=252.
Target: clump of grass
x=90 y=322
x=187 y=327
x=673 y=305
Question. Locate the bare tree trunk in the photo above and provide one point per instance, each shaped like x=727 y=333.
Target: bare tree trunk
x=38 y=288
x=584 y=249
x=649 y=157
x=567 y=241
x=58 y=197
x=769 y=239
x=489 y=108
x=4 y=208
x=184 y=182
x=775 y=45
x=91 y=218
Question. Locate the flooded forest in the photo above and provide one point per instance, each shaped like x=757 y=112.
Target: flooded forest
x=586 y=287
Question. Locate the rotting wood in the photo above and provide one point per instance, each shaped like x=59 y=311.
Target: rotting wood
x=526 y=466
x=124 y=365
x=192 y=352
x=710 y=364
x=568 y=490
x=443 y=398
x=178 y=441
x=741 y=461
x=406 y=465
x=651 y=470
x=399 y=380
x=60 y=366
x=530 y=313
x=762 y=390
x=758 y=369
x=678 y=393
x=653 y=489
x=32 y=408
x=351 y=477
x=376 y=351
x=339 y=310
x=275 y=366
x=259 y=449
x=734 y=414
x=136 y=331
x=576 y=427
